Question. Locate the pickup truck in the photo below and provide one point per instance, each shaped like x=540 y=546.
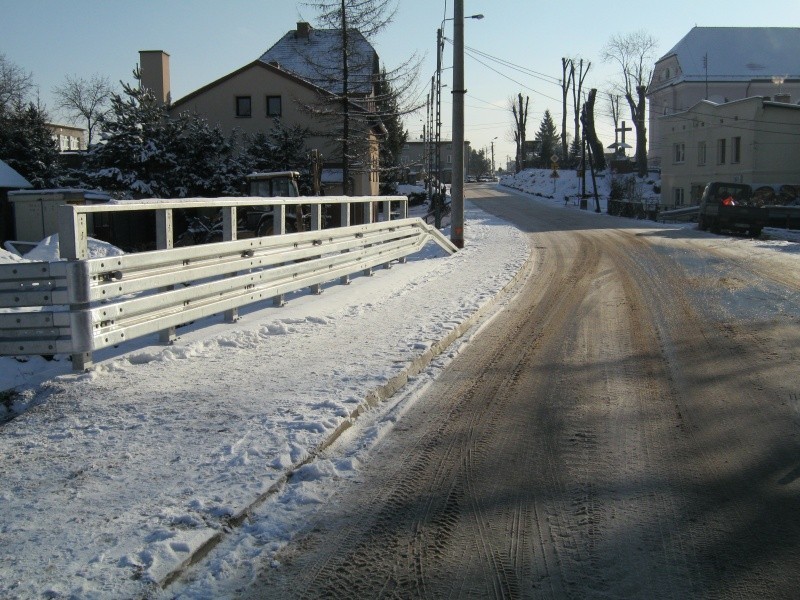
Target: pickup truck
x=730 y=207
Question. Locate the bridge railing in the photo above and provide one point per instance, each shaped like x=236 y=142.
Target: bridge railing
x=80 y=304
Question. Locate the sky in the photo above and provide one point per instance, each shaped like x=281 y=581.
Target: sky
x=524 y=40
x=110 y=480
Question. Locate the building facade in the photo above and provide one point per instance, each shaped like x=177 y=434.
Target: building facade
x=276 y=87
x=68 y=138
x=721 y=64
x=754 y=141
x=418 y=158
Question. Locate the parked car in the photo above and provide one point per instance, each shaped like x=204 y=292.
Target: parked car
x=730 y=207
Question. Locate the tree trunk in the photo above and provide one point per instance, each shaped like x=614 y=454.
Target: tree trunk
x=641 y=133
x=591 y=136
x=566 y=65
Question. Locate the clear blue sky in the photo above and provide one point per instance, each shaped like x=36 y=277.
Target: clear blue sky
x=207 y=39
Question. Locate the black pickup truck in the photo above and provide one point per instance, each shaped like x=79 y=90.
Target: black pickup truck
x=730 y=207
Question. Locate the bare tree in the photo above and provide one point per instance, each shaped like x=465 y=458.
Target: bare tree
x=587 y=118
x=613 y=105
x=567 y=73
x=87 y=99
x=520 y=112
x=15 y=83
x=356 y=20
x=577 y=92
x=634 y=54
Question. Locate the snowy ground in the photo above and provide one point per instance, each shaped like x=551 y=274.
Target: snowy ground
x=111 y=480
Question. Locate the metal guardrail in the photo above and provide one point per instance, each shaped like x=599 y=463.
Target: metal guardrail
x=80 y=305
x=688 y=213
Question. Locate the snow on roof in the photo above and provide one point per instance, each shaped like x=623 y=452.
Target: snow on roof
x=9 y=178
x=316 y=57
x=738 y=53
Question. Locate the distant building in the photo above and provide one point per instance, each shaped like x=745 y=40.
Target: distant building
x=418 y=159
x=721 y=64
x=68 y=138
x=752 y=140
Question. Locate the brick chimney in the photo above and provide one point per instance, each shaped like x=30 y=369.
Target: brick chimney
x=784 y=98
x=154 y=67
x=303 y=30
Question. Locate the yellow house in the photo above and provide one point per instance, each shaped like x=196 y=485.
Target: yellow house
x=720 y=64
x=249 y=99
x=752 y=141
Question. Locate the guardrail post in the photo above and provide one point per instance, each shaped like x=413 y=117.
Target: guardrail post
x=316 y=225
x=387 y=216
x=229 y=218
x=73 y=244
x=344 y=212
x=403 y=215
x=367 y=220
x=279 y=228
x=165 y=241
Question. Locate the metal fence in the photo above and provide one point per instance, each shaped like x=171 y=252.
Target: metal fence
x=80 y=304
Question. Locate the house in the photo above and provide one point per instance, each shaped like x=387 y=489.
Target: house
x=721 y=64
x=417 y=158
x=67 y=137
x=752 y=140
x=291 y=82
x=9 y=180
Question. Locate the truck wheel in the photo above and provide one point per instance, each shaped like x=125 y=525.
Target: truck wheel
x=755 y=231
x=714 y=227
x=701 y=223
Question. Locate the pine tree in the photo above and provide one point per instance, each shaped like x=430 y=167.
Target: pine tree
x=547 y=141
x=391 y=148
x=147 y=153
x=27 y=145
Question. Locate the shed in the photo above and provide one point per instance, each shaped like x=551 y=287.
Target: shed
x=9 y=180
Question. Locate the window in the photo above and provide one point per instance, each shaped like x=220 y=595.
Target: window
x=677 y=196
x=701 y=153
x=679 y=153
x=274 y=106
x=736 y=150
x=244 y=106
x=721 y=148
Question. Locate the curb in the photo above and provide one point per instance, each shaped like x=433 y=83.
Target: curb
x=372 y=399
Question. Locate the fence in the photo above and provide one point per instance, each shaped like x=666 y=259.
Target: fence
x=81 y=304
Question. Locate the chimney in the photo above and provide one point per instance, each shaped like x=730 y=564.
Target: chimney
x=303 y=30
x=154 y=68
x=785 y=98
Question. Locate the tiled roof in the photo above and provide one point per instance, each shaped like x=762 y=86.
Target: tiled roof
x=317 y=58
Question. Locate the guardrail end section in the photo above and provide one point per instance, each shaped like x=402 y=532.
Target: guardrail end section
x=81 y=331
x=438 y=237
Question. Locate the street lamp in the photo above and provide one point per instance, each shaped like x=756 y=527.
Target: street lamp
x=458 y=91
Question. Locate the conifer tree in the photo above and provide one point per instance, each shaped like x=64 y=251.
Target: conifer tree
x=546 y=140
x=27 y=145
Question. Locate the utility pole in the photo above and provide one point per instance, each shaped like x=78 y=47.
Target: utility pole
x=493 y=139
x=458 y=91
x=439 y=48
